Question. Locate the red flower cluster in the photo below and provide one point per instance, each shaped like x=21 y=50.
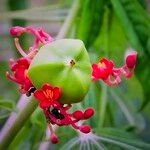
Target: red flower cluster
x=56 y=113
x=19 y=69
x=20 y=66
x=105 y=69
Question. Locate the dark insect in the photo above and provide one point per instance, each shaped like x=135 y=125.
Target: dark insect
x=55 y=112
x=31 y=90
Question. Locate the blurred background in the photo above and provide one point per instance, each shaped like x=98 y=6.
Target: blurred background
x=108 y=28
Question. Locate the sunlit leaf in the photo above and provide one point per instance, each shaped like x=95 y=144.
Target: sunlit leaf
x=7 y=105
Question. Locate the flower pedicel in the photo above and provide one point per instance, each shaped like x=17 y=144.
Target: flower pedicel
x=59 y=74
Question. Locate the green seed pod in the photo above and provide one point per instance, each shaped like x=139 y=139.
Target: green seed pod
x=64 y=63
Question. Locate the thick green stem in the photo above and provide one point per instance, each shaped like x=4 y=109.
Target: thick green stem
x=25 y=113
x=22 y=117
x=103 y=104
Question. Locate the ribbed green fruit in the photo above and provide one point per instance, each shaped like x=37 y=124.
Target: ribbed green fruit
x=64 y=63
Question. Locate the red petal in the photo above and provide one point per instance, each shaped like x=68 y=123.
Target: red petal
x=104 y=60
x=111 y=65
x=47 y=86
x=94 y=66
x=39 y=95
x=57 y=93
x=44 y=104
x=23 y=62
x=14 y=66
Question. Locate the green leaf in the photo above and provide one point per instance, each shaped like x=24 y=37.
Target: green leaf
x=7 y=105
x=122 y=138
x=90 y=21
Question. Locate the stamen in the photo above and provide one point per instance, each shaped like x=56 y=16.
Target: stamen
x=48 y=94
x=17 y=44
x=101 y=65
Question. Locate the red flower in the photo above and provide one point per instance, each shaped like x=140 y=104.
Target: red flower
x=19 y=70
x=47 y=96
x=102 y=70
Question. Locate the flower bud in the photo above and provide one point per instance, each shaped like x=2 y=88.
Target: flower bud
x=78 y=115
x=16 y=31
x=89 y=112
x=54 y=139
x=130 y=59
x=85 y=129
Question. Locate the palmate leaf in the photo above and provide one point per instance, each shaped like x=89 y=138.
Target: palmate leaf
x=122 y=138
x=136 y=24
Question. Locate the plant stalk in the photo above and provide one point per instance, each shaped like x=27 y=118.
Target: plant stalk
x=103 y=104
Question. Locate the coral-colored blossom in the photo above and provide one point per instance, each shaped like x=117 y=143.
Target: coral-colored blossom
x=47 y=96
x=102 y=70
x=56 y=113
x=19 y=69
x=106 y=71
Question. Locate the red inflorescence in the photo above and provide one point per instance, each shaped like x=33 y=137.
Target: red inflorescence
x=19 y=69
x=56 y=113
x=20 y=66
x=105 y=69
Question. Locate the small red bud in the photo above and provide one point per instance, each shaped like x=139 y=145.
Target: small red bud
x=16 y=31
x=77 y=115
x=54 y=139
x=89 y=112
x=131 y=59
x=85 y=129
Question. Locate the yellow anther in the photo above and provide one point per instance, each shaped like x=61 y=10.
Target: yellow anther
x=101 y=65
x=48 y=93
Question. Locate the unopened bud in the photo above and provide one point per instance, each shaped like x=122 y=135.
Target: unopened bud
x=89 y=112
x=131 y=59
x=85 y=129
x=54 y=139
x=16 y=31
x=78 y=115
